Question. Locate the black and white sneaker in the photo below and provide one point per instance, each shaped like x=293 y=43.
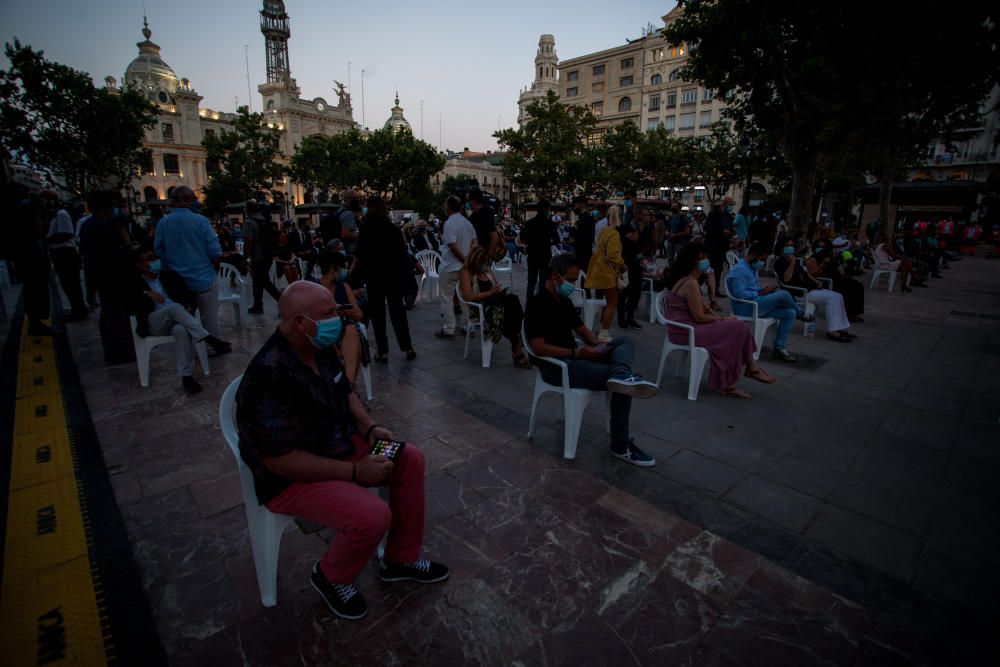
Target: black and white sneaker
x=423 y=570
x=634 y=455
x=344 y=600
x=633 y=386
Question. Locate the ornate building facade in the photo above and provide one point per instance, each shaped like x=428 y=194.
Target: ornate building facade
x=175 y=142
x=546 y=76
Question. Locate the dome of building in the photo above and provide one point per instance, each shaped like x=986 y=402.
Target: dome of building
x=396 y=121
x=149 y=73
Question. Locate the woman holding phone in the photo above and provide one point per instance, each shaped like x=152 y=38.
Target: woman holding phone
x=503 y=311
x=353 y=345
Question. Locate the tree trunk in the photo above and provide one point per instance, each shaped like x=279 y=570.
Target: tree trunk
x=887 y=177
x=803 y=183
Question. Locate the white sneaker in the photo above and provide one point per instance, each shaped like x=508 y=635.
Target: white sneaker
x=604 y=336
x=633 y=386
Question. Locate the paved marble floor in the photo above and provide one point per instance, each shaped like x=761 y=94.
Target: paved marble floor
x=844 y=516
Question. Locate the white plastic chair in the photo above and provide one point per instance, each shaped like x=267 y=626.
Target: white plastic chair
x=144 y=346
x=475 y=322
x=430 y=261
x=231 y=288
x=574 y=401
x=591 y=307
x=758 y=324
x=732 y=259
x=697 y=356
x=879 y=269
x=265 y=527
x=505 y=267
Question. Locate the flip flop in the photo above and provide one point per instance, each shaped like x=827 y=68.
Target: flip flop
x=757 y=376
x=734 y=392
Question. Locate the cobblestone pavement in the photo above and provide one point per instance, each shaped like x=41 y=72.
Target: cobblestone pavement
x=845 y=515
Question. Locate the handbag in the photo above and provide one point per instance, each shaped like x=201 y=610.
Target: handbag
x=621 y=279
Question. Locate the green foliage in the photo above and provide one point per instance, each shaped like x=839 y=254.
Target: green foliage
x=54 y=119
x=548 y=156
x=457 y=185
x=832 y=82
x=617 y=167
x=247 y=159
x=386 y=163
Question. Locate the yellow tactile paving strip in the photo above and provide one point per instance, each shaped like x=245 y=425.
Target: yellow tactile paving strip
x=51 y=611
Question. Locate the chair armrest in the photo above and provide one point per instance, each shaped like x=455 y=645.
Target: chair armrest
x=753 y=304
x=688 y=327
x=563 y=366
x=826 y=281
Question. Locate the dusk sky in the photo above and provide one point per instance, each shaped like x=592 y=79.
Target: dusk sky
x=467 y=61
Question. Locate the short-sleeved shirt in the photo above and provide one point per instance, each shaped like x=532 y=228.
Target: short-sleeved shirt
x=348 y=223
x=61 y=224
x=484 y=224
x=283 y=405
x=552 y=318
x=457 y=230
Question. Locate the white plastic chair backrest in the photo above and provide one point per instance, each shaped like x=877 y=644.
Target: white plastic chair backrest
x=227 y=421
x=661 y=307
x=732 y=259
x=504 y=264
x=469 y=306
x=429 y=260
x=227 y=273
x=736 y=299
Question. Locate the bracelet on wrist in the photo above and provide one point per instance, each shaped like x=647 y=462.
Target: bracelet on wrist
x=368 y=433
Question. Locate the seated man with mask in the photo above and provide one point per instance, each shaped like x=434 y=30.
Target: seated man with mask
x=306 y=436
x=156 y=314
x=744 y=283
x=550 y=322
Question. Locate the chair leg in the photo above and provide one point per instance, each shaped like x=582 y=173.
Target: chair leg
x=664 y=353
x=574 y=407
x=487 y=347
x=697 y=368
x=265 y=541
x=202 y=352
x=539 y=390
x=468 y=336
x=142 y=352
x=892 y=280
x=366 y=373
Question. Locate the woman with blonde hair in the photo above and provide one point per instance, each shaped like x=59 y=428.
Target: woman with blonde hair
x=502 y=310
x=605 y=266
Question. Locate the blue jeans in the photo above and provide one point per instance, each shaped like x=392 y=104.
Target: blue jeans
x=594 y=374
x=781 y=306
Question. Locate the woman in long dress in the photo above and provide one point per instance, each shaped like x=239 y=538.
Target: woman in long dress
x=729 y=341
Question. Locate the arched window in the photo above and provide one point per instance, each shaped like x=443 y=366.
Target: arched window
x=675 y=75
x=149 y=193
x=625 y=104
x=656 y=80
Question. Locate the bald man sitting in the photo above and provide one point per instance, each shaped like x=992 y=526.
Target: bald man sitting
x=307 y=436
x=187 y=245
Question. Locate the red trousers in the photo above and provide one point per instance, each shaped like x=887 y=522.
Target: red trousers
x=360 y=517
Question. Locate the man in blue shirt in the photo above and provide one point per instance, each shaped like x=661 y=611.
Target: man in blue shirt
x=186 y=245
x=743 y=283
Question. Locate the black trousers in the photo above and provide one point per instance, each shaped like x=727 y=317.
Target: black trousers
x=34 y=276
x=538 y=273
x=378 y=300
x=628 y=298
x=66 y=262
x=116 y=333
x=260 y=269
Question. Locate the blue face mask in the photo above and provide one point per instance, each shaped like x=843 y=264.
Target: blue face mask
x=595 y=213
x=342 y=276
x=628 y=203
x=704 y=265
x=757 y=265
x=788 y=250
x=566 y=289
x=155 y=265
x=364 y=210
x=115 y=211
x=328 y=332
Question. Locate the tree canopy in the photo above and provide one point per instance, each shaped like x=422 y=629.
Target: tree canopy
x=243 y=162
x=386 y=163
x=54 y=119
x=826 y=78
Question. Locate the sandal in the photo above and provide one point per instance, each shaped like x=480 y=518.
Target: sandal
x=760 y=375
x=734 y=392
